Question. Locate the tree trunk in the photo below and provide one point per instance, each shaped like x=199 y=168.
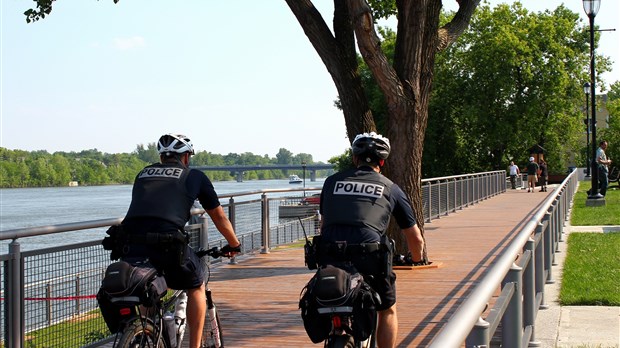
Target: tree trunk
x=406 y=84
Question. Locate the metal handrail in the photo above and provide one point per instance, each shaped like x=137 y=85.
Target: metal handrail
x=463 y=322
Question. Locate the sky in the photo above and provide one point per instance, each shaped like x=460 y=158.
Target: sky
x=234 y=76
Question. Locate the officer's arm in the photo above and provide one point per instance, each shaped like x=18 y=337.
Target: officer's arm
x=415 y=242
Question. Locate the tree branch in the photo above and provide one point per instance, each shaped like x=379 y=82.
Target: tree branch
x=339 y=56
x=459 y=23
x=316 y=30
x=370 y=49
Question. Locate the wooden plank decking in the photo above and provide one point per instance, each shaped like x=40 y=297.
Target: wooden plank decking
x=258 y=297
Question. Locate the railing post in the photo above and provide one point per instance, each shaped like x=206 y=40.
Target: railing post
x=529 y=292
x=15 y=298
x=512 y=321
x=440 y=185
x=479 y=336
x=265 y=223
x=564 y=215
x=462 y=188
x=48 y=303
x=232 y=216
x=455 y=188
x=548 y=250
x=557 y=226
x=468 y=189
x=539 y=265
x=203 y=241
x=477 y=190
x=430 y=201
x=232 y=212
x=77 y=295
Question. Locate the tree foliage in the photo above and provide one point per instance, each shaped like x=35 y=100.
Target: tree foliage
x=512 y=81
x=20 y=168
x=612 y=132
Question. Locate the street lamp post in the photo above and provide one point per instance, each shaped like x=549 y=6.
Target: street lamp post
x=586 y=90
x=591 y=8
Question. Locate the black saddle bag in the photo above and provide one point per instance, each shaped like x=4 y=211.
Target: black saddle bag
x=126 y=285
x=334 y=290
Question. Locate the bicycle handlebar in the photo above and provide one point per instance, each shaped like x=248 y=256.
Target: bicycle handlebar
x=214 y=252
x=217 y=252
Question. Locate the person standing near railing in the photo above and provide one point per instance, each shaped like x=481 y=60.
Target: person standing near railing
x=162 y=197
x=513 y=169
x=532 y=174
x=543 y=173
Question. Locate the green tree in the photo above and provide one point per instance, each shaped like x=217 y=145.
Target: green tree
x=284 y=156
x=148 y=154
x=612 y=132
x=510 y=82
x=40 y=172
x=62 y=170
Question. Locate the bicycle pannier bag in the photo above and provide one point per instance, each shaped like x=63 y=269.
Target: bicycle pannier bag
x=125 y=282
x=340 y=291
x=317 y=325
x=364 y=311
x=114 y=313
x=124 y=286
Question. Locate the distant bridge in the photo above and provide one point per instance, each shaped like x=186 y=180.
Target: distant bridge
x=240 y=170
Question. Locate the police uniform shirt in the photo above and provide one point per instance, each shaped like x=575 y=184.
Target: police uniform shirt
x=356 y=206
x=163 y=195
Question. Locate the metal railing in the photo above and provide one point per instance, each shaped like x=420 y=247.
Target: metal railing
x=522 y=282
x=55 y=287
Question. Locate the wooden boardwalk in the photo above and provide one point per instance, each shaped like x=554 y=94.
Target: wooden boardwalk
x=258 y=297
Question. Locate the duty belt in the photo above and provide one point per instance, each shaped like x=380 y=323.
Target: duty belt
x=157 y=238
x=342 y=249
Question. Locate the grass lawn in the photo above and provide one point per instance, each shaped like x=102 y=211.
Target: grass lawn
x=591 y=270
x=592 y=216
x=81 y=331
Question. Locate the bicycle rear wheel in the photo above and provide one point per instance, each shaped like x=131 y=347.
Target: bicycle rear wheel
x=340 y=341
x=140 y=335
x=212 y=329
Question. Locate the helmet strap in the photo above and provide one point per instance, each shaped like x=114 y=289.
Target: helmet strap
x=381 y=163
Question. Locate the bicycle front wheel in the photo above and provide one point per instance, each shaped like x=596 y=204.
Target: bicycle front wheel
x=212 y=329
x=140 y=335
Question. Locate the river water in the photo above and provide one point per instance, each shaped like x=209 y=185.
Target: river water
x=31 y=207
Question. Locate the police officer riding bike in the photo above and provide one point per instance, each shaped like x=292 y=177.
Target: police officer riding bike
x=162 y=197
x=356 y=206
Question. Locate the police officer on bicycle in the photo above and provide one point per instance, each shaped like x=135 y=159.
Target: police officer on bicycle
x=162 y=197
x=356 y=206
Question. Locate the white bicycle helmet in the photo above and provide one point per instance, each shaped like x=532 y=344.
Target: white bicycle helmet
x=174 y=143
x=371 y=145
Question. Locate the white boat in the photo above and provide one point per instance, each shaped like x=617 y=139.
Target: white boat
x=294 y=179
